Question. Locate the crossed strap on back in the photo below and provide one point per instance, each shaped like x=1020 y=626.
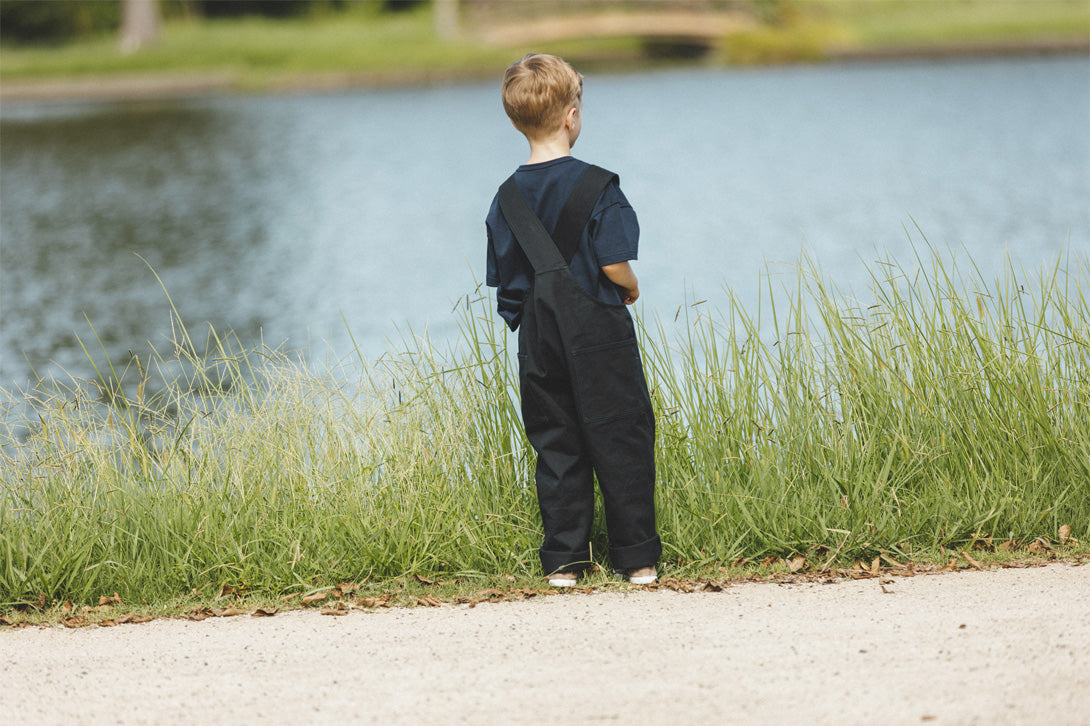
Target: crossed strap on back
x=550 y=252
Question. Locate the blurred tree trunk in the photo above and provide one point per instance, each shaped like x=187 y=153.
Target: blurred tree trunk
x=139 y=24
x=446 y=18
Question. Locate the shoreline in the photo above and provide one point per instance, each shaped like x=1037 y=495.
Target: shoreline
x=173 y=86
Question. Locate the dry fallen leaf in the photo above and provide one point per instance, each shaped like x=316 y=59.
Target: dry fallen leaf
x=333 y=611
x=426 y=581
x=4 y=620
x=229 y=612
x=108 y=600
x=971 y=561
x=796 y=563
x=77 y=621
x=314 y=598
x=264 y=612
x=1064 y=533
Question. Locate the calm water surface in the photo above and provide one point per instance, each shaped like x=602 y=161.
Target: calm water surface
x=282 y=218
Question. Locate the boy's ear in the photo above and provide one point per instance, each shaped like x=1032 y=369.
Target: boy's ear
x=569 y=117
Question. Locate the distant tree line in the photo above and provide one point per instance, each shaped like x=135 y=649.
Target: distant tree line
x=57 y=21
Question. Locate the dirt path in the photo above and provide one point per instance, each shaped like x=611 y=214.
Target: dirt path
x=1010 y=646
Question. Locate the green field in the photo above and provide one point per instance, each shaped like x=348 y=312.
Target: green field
x=941 y=414
x=361 y=45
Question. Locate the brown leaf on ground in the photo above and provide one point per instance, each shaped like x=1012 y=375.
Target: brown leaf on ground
x=429 y=601
x=770 y=560
x=472 y=602
x=1008 y=546
x=227 y=591
x=67 y=608
x=109 y=600
x=228 y=612
x=796 y=563
x=76 y=621
x=264 y=612
x=315 y=597
x=199 y=614
x=1064 y=533
x=875 y=565
x=4 y=621
x=348 y=587
x=335 y=609
x=971 y=561
x=424 y=581
x=1039 y=544
x=107 y=623
x=712 y=587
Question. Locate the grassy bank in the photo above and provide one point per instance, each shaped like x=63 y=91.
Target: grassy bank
x=362 y=45
x=940 y=414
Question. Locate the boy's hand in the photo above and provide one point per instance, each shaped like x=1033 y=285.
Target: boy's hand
x=621 y=275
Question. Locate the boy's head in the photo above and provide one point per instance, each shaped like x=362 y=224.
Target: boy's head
x=538 y=91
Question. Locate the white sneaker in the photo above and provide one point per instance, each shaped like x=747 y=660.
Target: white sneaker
x=563 y=579
x=641 y=575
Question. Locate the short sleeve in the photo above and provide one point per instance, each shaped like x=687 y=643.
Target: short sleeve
x=614 y=230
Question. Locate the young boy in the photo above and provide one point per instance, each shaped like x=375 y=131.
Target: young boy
x=560 y=238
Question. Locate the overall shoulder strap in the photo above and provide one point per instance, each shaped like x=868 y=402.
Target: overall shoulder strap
x=530 y=233
x=577 y=209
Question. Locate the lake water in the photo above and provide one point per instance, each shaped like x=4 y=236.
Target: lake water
x=282 y=218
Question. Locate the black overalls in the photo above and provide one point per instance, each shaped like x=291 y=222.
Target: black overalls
x=585 y=403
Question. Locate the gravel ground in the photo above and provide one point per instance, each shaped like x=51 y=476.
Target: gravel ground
x=1003 y=647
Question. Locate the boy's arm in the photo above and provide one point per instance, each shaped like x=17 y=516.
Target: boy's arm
x=621 y=275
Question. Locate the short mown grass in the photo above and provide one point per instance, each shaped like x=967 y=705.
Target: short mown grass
x=937 y=412
x=361 y=44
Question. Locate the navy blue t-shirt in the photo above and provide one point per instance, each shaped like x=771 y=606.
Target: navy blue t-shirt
x=612 y=235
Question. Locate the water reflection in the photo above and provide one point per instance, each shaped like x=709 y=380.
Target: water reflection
x=282 y=217
x=86 y=197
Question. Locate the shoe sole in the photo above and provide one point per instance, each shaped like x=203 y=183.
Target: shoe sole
x=562 y=583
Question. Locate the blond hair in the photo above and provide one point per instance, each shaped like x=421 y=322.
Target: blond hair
x=538 y=90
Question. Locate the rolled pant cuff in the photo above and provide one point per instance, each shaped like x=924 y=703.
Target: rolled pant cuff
x=552 y=561
x=644 y=554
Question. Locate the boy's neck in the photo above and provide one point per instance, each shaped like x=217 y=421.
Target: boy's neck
x=554 y=146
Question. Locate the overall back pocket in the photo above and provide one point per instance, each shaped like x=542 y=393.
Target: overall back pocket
x=608 y=381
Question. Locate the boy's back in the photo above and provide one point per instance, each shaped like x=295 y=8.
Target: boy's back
x=610 y=236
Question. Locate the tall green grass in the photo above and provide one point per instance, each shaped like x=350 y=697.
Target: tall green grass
x=936 y=410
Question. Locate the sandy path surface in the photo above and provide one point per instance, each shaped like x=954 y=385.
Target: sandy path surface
x=1004 y=647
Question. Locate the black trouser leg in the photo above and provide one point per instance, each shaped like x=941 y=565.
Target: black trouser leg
x=623 y=455
x=564 y=477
